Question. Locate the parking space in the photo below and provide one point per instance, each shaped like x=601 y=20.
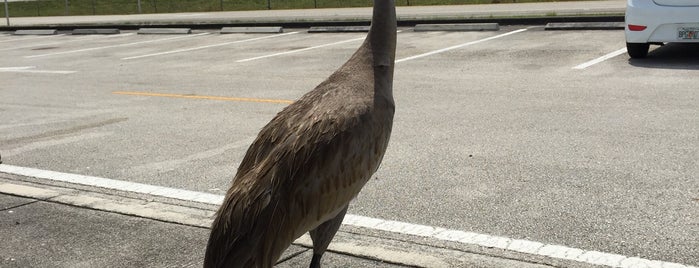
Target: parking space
x=551 y=136
x=96 y=47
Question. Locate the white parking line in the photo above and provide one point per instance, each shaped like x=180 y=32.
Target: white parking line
x=75 y=39
x=30 y=38
x=459 y=46
x=208 y=46
x=126 y=186
x=113 y=46
x=301 y=50
x=30 y=69
x=470 y=238
x=16 y=68
x=600 y=59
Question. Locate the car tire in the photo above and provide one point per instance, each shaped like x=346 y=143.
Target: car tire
x=637 y=50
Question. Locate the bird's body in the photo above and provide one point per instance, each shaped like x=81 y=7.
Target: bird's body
x=311 y=159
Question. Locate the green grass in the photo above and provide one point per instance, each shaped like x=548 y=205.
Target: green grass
x=106 y=7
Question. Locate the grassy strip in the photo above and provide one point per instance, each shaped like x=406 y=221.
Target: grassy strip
x=108 y=7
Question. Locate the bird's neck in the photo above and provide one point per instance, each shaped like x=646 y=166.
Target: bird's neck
x=381 y=41
x=382 y=35
x=376 y=56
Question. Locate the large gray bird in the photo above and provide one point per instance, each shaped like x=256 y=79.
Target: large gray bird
x=312 y=159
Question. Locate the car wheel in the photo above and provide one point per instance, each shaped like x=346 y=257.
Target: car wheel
x=637 y=50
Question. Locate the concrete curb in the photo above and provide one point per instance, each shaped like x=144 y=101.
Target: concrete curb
x=338 y=29
x=463 y=27
x=164 y=31
x=232 y=30
x=562 y=26
x=96 y=31
x=36 y=32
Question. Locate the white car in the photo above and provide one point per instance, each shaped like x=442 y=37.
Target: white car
x=658 y=22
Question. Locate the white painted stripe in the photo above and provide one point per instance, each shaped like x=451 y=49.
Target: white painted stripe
x=73 y=39
x=126 y=186
x=208 y=46
x=16 y=68
x=300 y=50
x=16 y=38
x=113 y=46
x=600 y=59
x=459 y=46
x=470 y=238
x=45 y=71
x=30 y=69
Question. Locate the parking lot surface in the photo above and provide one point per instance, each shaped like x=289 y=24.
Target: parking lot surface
x=550 y=136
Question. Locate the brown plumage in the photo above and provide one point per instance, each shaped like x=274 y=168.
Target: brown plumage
x=312 y=159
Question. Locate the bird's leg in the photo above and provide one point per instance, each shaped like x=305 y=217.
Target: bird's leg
x=323 y=234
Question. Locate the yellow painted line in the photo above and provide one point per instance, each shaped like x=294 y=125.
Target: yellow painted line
x=166 y=95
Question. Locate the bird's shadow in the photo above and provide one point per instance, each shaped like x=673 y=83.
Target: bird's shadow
x=671 y=56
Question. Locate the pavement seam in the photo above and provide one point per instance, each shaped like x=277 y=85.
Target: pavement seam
x=20 y=205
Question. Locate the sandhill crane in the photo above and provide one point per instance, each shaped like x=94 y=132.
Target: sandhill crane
x=311 y=159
